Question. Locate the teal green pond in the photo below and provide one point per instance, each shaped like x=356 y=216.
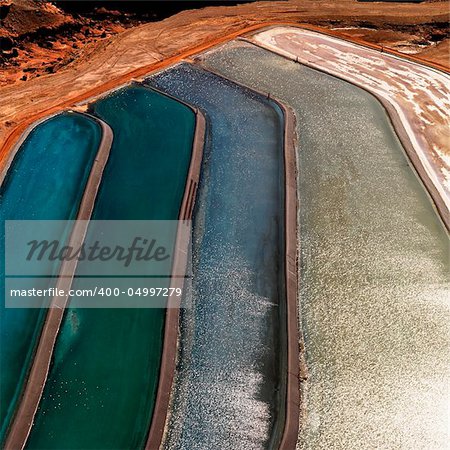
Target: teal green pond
x=102 y=384
x=45 y=181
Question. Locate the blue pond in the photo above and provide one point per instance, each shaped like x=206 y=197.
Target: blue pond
x=45 y=182
x=228 y=383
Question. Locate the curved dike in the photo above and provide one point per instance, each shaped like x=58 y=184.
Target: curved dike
x=373 y=265
x=44 y=182
x=101 y=388
x=227 y=387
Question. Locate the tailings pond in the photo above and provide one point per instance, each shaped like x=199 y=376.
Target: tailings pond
x=45 y=181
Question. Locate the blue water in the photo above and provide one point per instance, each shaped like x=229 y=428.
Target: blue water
x=45 y=182
x=229 y=373
x=102 y=384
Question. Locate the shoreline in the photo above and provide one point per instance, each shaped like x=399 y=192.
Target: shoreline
x=16 y=146
x=296 y=371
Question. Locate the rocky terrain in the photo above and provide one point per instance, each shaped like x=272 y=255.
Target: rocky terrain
x=38 y=37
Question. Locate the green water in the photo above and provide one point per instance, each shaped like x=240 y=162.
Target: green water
x=101 y=388
x=374 y=266
x=45 y=182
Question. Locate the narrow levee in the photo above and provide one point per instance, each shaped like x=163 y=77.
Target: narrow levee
x=45 y=181
x=229 y=377
x=101 y=388
x=373 y=275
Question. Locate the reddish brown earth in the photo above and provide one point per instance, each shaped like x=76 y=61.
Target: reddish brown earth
x=438 y=53
x=102 y=63
x=423 y=42
x=27 y=16
x=37 y=38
